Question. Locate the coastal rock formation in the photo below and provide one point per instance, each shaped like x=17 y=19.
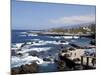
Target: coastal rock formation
x=93 y=42
x=24 y=69
x=61 y=65
x=46 y=59
x=33 y=53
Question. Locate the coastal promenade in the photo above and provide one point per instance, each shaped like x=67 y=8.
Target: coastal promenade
x=76 y=57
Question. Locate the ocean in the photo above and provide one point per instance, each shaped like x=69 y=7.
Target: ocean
x=42 y=47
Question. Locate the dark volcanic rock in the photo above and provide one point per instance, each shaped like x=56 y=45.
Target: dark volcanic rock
x=15 y=70
x=76 y=60
x=71 y=48
x=93 y=36
x=33 y=53
x=62 y=41
x=93 y=42
x=29 y=68
x=78 y=67
x=46 y=59
x=69 y=63
x=61 y=65
x=65 y=50
x=13 y=53
x=24 y=69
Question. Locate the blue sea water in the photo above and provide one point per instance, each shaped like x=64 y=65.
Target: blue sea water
x=19 y=36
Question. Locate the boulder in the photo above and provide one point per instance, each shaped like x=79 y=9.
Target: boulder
x=15 y=70
x=46 y=59
x=61 y=65
x=93 y=42
x=24 y=69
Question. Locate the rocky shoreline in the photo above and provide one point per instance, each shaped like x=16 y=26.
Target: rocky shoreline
x=25 y=69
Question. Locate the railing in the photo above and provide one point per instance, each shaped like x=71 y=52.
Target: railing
x=88 y=61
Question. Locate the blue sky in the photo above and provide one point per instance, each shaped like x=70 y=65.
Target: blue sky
x=36 y=16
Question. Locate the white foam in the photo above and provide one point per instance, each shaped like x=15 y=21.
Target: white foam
x=40 y=43
x=67 y=37
x=18 y=61
x=32 y=35
x=46 y=63
x=19 y=45
x=34 y=49
x=70 y=37
x=57 y=37
x=76 y=37
x=16 y=46
x=54 y=42
x=23 y=32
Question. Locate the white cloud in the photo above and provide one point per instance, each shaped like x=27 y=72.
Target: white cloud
x=74 y=19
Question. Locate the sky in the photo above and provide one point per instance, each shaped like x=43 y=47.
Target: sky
x=39 y=15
